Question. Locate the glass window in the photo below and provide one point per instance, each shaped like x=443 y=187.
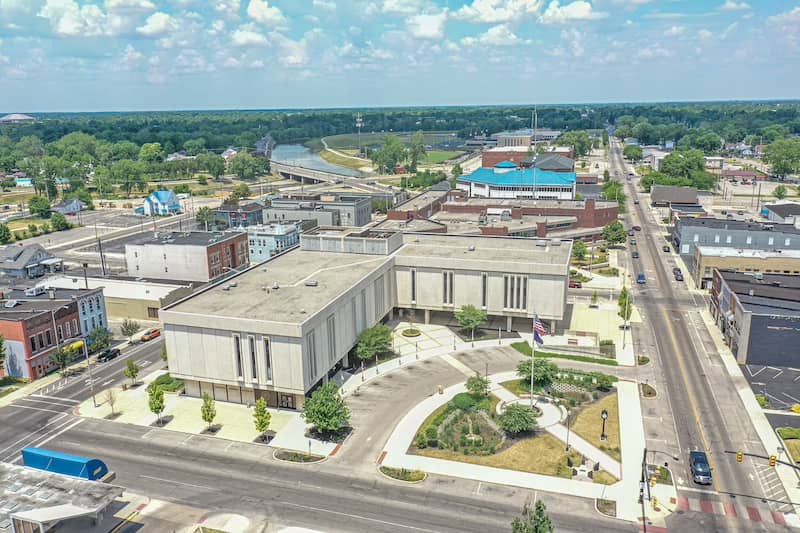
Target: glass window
x=251 y=343
x=716 y=238
x=268 y=359
x=49 y=337
x=787 y=242
x=237 y=351
x=771 y=241
x=728 y=239
x=413 y=285
x=484 y=289
x=41 y=340
x=33 y=343
x=749 y=240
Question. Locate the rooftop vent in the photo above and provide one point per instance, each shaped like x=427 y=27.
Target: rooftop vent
x=10 y=303
x=34 y=291
x=233 y=285
x=275 y=286
x=471 y=248
x=541 y=243
x=312 y=283
x=750 y=292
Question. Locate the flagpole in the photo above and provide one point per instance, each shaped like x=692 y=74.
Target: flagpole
x=533 y=352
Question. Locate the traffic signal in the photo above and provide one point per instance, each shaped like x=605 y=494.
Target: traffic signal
x=739 y=457
x=653 y=481
x=772 y=460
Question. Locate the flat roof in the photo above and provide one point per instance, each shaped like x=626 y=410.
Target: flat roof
x=543 y=204
x=771 y=286
x=719 y=251
x=414 y=224
x=188 y=238
x=43 y=496
x=523 y=176
x=470 y=222
x=24 y=309
x=116 y=288
x=60 y=293
x=254 y=297
x=500 y=250
x=721 y=223
x=421 y=200
x=523 y=149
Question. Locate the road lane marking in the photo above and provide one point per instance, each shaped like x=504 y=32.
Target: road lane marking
x=359 y=517
x=46 y=402
x=59 y=432
x=204 y=487
x=109 y=382
x=49 y=423
x=35 y=408
x=58 y=398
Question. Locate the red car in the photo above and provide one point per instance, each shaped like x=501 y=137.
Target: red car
x=575 y=285
x=151 y=334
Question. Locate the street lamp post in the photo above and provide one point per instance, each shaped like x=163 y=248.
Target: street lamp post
x=566 y=407
x=604 y=416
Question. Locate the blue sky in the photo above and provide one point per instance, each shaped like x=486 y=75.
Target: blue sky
x=83 y=55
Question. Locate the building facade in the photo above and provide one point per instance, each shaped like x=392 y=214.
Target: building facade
x=29 y=261
x=759 y=316
x=91 y=303
x=191 y=256
x=240 y=215
x=352 y=210
x=161 y=203
x=709 y=258
x=314 y=301
x=506 y=181
x=265 y=241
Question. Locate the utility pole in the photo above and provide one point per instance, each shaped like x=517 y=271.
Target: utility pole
x=359 y=124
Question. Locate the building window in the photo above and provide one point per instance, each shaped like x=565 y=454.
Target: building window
x=516 y=292
x=716 y=238
x=83 y=307
x=268 y=359
x=75 y=325
x=771 y=241
x=49 y=337
x=100 y=320
x=251 y=343
x=60 y=333
x=91 y=306
x=41 y=340
x=787 y=242
x=484 y=289
x=237 y=352
x=86 y=324
x=380 y=288
x=94 y=323
x=447 y=288
x=152 y=312
x=332 y=338
x=728 y=239
x=413 y=285
x=33 y=343
x=696 y=237
x=311 y=347
x=505 y=292
x=749 y=239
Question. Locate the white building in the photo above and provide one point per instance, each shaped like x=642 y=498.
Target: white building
x=507 y=181
x=280 y=328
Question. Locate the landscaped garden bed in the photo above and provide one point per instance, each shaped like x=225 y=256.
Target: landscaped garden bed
x=791 y=437
x=525 y=349
x=404 y=474
x=647 y=390
x=607 y=507
x=297 y=457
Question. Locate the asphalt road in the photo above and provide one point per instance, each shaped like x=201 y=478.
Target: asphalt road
x=705 y=407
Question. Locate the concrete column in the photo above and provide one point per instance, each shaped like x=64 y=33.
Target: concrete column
x=508 y=323
x=427 y=316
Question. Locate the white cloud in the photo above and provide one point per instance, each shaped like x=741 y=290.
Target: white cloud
x=578 y=10
x=704 y=35
x=131 y=56
x=574 y=39
x=261 y=11
x=228 y=7
x=158 y=23
x=493 y=11
x=130 y=4
x=674 y=31
x=247 y=37
x=652 y=51
x=787 y=17
x=401 y=7
x=500 y=35
x=69 y=19
x=14 y=5
x=732 y=5
x=427 y=26
x=328 y=5
x=729 y=30
x=292 y=53
x=786 y=26
x=217 y=27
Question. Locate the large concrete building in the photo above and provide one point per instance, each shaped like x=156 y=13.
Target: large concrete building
x=267 y=240
x=690 y=232
x=191 y=256
x=505 y=180
x=759 y=316
x=350 y=210
x=709 y=258
x=280 y=328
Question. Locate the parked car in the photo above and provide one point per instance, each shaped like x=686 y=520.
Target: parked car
x=637 y=228
x=575 y=285
x=740 y=212
x=676 y=271
x=635 y=254
x=151 y=334
x=641 y=279
x=678 y=277
x=108 y=355
x=665 y=248
x=701 y=471
x=636 y=201
x=630 y=232
x=633 y=242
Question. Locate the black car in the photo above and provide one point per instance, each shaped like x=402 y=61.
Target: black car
x=635 y=254
x=676 y=271
x=665 y=248
x=108 y=355
x=678 y=276
x=701 y=471
x=637 y=228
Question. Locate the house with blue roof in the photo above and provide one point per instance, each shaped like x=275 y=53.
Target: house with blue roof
x=161 y=203
x=506 y=180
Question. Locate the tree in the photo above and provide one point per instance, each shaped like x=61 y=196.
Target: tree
x=579 y=250
x=155 y=400
x=595 y=298
x=261 y=417
x=579 y=140
x=132 y=370
x=102 y=180
x=5 y=234
x=632 y=152
x=783 y=156
x=214 y=164
x=605 y=138
x=517 y=418
x=624 y=304
x=470 y=317
x=98 y=339
x=129 y=328
x=240 y=190
x=194 y=146
x=390 y=155
x=243 y=165
x=533 y=522
x=151 y=153
x=62 y=357
x=374 y=341
x=416 y=150
x=128 y=174
x=614 y=232
x=39 y=206
x=477 y=385
x=2 y=354
x=457 y=170
x=544 y=372
x=59 y=222
x=111 y=399
x=780 y=192
x=205 y=217
x=326 y=410
x=208 y=410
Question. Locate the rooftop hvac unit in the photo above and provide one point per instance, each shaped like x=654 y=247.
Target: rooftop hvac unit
x=34 y=291
x=471 y=248
x=555 y=243
x=232 y=285
x=541 y=243
x=275 y=286
x=312 y=283
x=10 y=303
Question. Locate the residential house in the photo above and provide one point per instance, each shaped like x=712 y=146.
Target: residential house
x=28 y=261
x=161 y=203
x=69 y=206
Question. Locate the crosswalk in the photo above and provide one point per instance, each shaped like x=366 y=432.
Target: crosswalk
x=730 y=509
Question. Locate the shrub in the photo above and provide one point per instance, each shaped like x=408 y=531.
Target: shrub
x=463 y=401
x=789 y=433
x=762 y=401
x=517 y=418
x=433 y=443
x=421 y=443
x=432 y=432
x=606 y=342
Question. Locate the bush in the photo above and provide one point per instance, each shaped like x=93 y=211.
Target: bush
x=19 y=235
x=403 y=474
x=167 y=383
x=463 y=401
x=517 y=418
x=762 y=401
x=432 y=432
x=789 y=433
x=606 y=342
x=420 y=442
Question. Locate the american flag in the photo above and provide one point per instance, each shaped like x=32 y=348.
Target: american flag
x=538 y=330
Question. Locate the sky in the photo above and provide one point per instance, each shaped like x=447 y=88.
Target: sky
x=120 y=55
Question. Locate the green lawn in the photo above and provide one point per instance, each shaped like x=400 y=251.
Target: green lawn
x=336 y=159
x=439 y=156
x=588 y=424
x=22 y=223
x=525 y=349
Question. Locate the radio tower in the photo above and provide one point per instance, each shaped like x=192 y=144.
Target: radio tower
x=359 y=123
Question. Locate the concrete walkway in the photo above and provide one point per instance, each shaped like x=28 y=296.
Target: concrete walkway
x=625 y=492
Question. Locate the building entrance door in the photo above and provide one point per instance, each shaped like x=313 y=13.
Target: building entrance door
x=286 y=401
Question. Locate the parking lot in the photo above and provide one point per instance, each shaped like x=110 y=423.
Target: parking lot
x=780 y=385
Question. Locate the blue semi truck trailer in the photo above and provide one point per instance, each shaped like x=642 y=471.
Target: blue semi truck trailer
x=65 y=464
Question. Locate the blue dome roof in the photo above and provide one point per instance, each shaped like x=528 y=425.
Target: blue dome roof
x=505 y=164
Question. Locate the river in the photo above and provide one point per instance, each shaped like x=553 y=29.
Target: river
x=299 y=155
